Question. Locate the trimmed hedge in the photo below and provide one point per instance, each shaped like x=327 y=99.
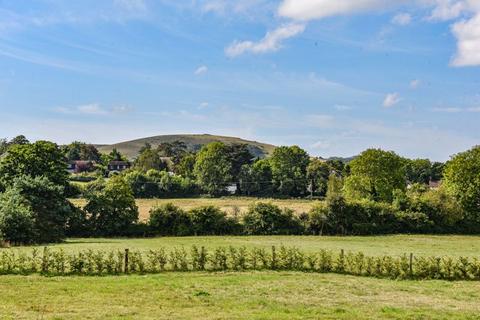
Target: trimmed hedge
x=59 y=263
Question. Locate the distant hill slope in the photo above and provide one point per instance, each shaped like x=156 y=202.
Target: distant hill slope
x=193 y=141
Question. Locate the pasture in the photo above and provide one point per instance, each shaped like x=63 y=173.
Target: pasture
x=231 y=205
x=248 y=295
x=395 y=245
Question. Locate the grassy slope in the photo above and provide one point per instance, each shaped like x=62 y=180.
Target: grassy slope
x=229 y=204
x=392 y=245
x=131 y=148
x=265 y=295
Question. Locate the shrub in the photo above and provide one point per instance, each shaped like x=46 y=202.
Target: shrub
x=317 y=218
x=112 y=210
x=268 y=219
x=210 y=220
x=170 y=220
x=17 y=225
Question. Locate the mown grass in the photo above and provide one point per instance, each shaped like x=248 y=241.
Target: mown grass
x=229 y=204
x=248 y=295
x=395 y=245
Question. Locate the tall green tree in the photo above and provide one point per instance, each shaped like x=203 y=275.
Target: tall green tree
x=175 y=150
x=462 y=179
x=42 y=212
x=112 y=210
x=150 y=159
x=375 y=174
x=289 y=170
x=318 y=172
x=40 y=159
x=186 y=166
x=81 y=151
x=418 y=171
x=213 y=168
x=239 y=156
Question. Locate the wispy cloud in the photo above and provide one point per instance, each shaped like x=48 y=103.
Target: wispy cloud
x=391 y=99
x=272 y=41
x=92 y=109
x=201 y=70
x=415 y=83
x=402 y=19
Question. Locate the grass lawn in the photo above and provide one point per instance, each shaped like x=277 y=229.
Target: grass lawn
x=228 y=204
x=420 y=245
x=252 y=295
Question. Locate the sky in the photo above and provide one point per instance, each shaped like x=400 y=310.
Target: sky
x=333 y=76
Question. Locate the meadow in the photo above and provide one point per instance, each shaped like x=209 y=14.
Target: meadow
x=252 y=294
x=231 y=205
x=247 y=295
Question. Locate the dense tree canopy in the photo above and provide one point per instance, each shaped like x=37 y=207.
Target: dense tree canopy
x=40 y=159
x=289 y=170
x=150 y=159
x=318 y=172
x=375 y=174
x=213 y=168
x=81 y=151
x=462 y=179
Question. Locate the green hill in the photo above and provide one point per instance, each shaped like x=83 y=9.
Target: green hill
x=193 y=141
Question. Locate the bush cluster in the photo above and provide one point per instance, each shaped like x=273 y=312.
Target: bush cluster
x=58 y=262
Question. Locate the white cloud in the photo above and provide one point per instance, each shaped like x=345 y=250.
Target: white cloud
x=402 y=19
x=391 y=99
x=203 y=105
x=448 y=9
x=318 y=9
x=415 y=83
x=201 y=70
x=447 y=109
x=467 y=33
x=340 y=107
x=93 y=109
x=271 y=42
x=474 y=109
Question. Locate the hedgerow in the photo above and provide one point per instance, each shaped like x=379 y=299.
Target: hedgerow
x=95 y=263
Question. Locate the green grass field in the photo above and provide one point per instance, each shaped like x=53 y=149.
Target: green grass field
x=420 y=245
x=248 y=295
x=257 y=295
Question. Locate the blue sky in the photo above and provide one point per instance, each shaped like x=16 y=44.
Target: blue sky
x=335 y=77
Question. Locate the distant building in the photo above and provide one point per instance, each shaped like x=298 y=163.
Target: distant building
x=80 y=166
x=118 y=166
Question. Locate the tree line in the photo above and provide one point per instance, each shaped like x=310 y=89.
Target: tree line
x=378 y=192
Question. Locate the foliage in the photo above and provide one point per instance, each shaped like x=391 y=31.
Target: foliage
x=213 y=168
x=419 y=171
x=170 y=220
x=375 y=174
x=42 y=208
x=318 y=172
x=266 y=218
x=60 y=263
x=175 y=150
x=17 y=224
x=256 y=179
x=289 y=170
x=81 y=151
x=112 y=210
x=150 y=159
x=462 y=180
x=40 y=159
x=210 y=220
x=186 y=166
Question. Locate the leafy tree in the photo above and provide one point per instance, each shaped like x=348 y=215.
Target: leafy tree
x=42 y=204
x=81 y=151
x=19 y=140
x=115 y=155
x=3 y=146
x=213 y=168
x=289 y=170
x=112 y=210
x=418 y=171
x=186 y=166
x=256 y=179
x=175 y=150
x=40 y=159
x=338 y=167
x=462 y=179
x=268 y=219
x=150 y=159
x=17 y=224
x=375 y=174
x=437 y=171
x=239 y=155
x=210 y=220
x=170 y=220
x=318 y=172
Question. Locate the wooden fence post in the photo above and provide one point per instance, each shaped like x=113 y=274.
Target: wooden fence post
x=411 y=264
x=126 y=261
